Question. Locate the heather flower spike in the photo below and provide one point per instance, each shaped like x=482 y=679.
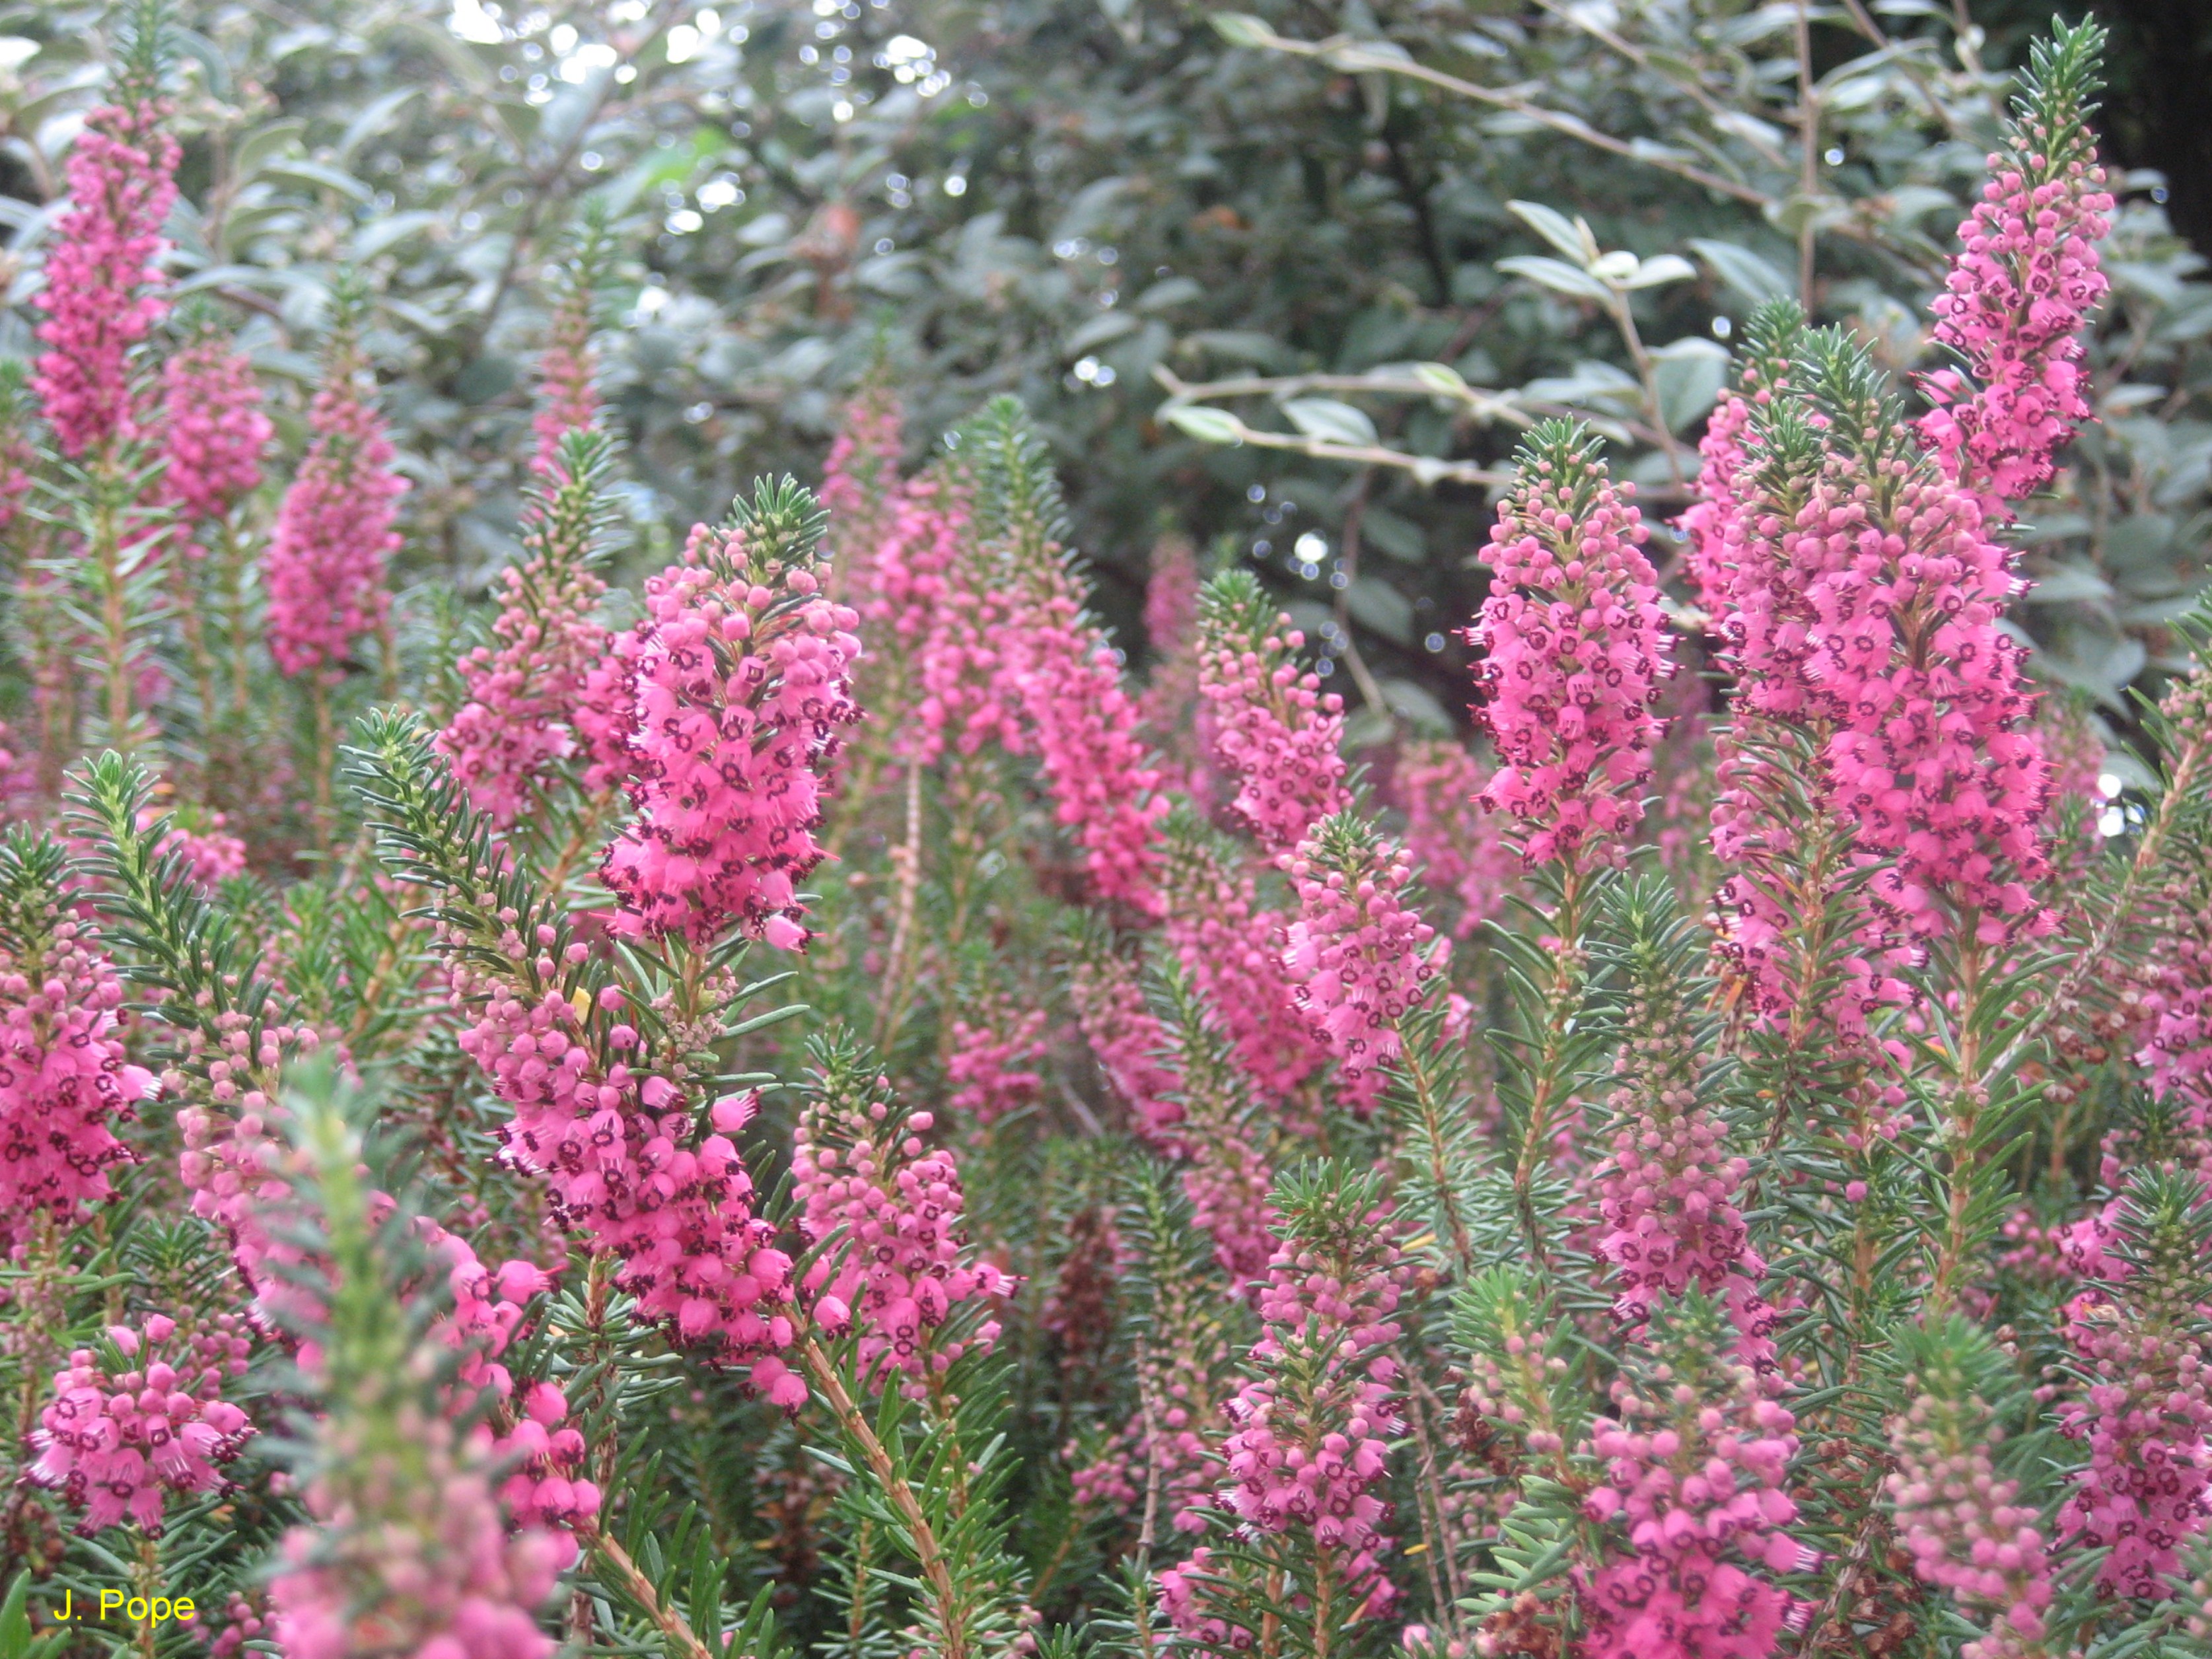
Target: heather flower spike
x=1962 y=1523
x=1056 y=666
x=567 y=369
x=2143 y=1413
x=67 y=1083
x=547 y=698
x=102 y=296
x=214 y=433
x=1574 y=652
x=1275 y=732
x=2023 y=285
x=882 y=1209
x=1359 y=954
x=1669 y=1190
x=1311 y=1433
x=139 y=1418
x=325 y=565
x=1696 y=1501
x=1935 y=760
x=742 y=673
x=410 y=1553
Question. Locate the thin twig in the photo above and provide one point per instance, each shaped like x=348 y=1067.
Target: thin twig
x=1352 y=57
x=639 y=1589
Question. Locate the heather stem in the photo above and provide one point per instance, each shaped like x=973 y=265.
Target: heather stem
x=907 y=860
x=234 y=559
x=325 y=761
x=1970 y=1095
x=665 y=1618
x=2150 y=852
x=186 y=600
x=1416 y=1059
x=115 y=621
x=1549 y=1086
x=952 y=1637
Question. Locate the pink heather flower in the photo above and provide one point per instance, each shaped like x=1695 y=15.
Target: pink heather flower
x=1714 y=520
x=1226 y=1178
x=1232 y=952
x=114 y=1443
x=743 y=671
x=1171 y=598
x=861 y=488
x=65 y=1079
x=213 y=430
x=1327 y=1311
x=1127 y=1039
x=1360 y=957
x=1064 y=676
x=1314 y=1420
x=1274 y=729
x=1114 y=1481
x=1966 y=1534
x=213 y=855
x=568 y=397
x=548 y=688
x=236 y=1165
x=1454 y=843
x=325 y=566
x=1695 y=1475
x=627 y=1166
x=409 y=1556
x=542 y=1453
x=965 y=697
x=2022 y=284
x=1667 y=1194
x=902 y=586
x=988 y=1069
x=101 y=293
x=2143 y=1408
x=1575 y=650
x=2179 y=1055
x=1718 y=496
x=1184 y=1382
x=1174 y=713
x=1934 y=761
x=888 y=1206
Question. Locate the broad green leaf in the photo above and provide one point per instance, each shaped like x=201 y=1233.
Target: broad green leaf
x=1170 y=292
x=1571 y=236
x=1241 y=29
x=1666 y=268
x=264 y=143
x=379 y=235
x=1751 y=278
x=1328 y=419
x=375 y=119
x=1382 y=609
x=1098 y=330
x=2068 y=584
x=1556 y=275
x=1441 y=378
x=1689 y=373
x=1417 y=706
x=300 y=171
x=1208 y=426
